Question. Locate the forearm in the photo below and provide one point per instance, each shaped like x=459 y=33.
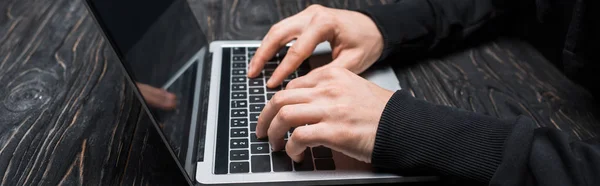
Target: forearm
x=418 y=137
x=419 y=28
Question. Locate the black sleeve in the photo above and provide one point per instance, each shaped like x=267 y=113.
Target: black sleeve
x=416 y=137
x=418 y=28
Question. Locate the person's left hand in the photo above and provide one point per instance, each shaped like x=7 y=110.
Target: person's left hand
x=342 y=111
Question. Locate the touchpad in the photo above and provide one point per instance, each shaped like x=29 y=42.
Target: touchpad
x=383 y=75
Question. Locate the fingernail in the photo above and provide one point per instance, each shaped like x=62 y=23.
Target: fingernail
x=259 y=135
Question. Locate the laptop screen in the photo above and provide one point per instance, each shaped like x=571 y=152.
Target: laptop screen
x=161 y=46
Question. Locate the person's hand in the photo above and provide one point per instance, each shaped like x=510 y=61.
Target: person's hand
x=158 y=98
x=342 y=111
x=355 y=41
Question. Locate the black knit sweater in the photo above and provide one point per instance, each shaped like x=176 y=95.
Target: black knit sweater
x=416 y=137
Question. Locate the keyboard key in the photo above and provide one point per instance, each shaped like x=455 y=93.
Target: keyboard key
x=324 y=164
x=253 y=49
x=256 y=82
x=238 y=143
x=269 y=73
x=261 y=148
x=261 y=163
x=253 y=126
x=281 y=161
x=239 y=50
x=321 y=152
x=240 y=122
x=270 y=95
x=238 y=65
x=261 y=75
x=270 y=66
x=254 y=117
x=239 y=155
x=307 y=162
x=239 y=58
x=251 y=55
x=239 y=113
x=239 y=167
x=239 y=132
x=256 y=107
x=239 y=72
x=257 y=99
x=257 y=90
x=253 y=138
x=238 y=87
x=238 y=95
x=278 y=88
x=239 y=104
x=238 y=79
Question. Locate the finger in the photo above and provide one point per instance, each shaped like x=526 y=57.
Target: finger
x=292 y=116
x=278 y=36
x=308 y=136
x=314 y=78
x=158 y=98
x=300 y=51
x=306 y=81
x=280 y=99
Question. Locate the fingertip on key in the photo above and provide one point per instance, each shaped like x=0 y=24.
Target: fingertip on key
x=251 y=72
x=272 y=83
x=259 y=134
x=297 y=158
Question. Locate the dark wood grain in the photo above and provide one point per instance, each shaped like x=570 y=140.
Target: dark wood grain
x=505 y=78
x=68 y=116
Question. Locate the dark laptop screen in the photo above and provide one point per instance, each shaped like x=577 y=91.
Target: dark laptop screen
x=155 y=40
x=155 y=37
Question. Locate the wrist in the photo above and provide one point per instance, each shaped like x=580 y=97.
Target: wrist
x=371 y=36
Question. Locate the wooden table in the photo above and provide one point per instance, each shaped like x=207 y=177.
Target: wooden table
x=67 y=116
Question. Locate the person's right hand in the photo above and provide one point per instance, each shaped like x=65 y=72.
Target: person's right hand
x=355 y=41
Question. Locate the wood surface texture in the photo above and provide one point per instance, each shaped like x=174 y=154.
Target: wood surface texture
x=69 y=117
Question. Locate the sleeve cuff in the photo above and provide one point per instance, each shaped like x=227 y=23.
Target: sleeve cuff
x=418 y=137
x=403 y=27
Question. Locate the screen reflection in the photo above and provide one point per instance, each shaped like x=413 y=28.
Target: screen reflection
x=160 y=45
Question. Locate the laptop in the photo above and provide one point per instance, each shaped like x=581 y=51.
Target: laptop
x=211 y=129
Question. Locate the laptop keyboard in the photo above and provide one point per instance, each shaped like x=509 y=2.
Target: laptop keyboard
x=247 y=154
